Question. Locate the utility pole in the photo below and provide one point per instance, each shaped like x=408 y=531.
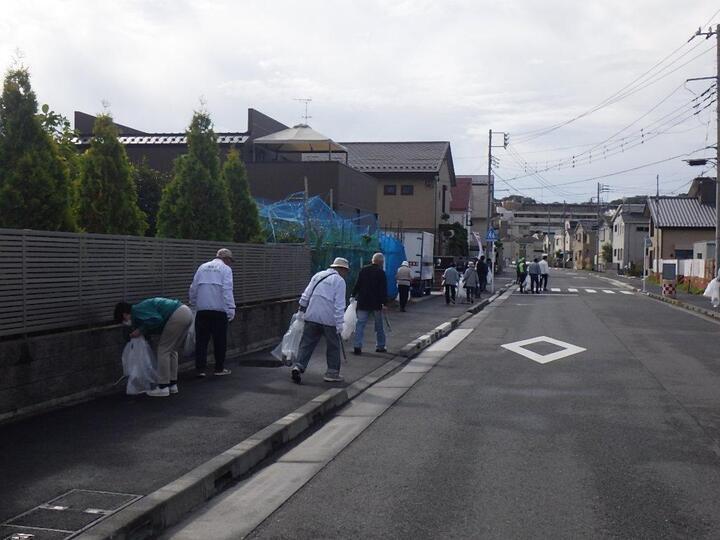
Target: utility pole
x=601 y=188
x=710 y=32
x=490 y=256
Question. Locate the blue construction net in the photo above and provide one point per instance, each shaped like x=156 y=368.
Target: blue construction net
x=329 y=234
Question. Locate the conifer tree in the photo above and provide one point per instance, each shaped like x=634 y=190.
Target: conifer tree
x=150 y=183
x=196 y=203
x=246 y=219
x=108 y=201
x=34 y=183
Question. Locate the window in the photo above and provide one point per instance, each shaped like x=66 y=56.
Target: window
x=615 y=252
x=642 y=229
x=699 y=255
x=407 y=190
x=389 y=189
x=615 y=228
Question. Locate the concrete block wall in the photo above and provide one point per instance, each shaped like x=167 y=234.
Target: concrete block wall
x=43 y=372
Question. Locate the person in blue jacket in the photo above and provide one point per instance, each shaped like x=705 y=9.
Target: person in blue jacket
x=171 y=319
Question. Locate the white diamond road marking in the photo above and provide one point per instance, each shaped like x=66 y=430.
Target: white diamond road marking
x=568 y=349
x=591 y=290
x=572 y=290
x=553 y=289
x=608 y=292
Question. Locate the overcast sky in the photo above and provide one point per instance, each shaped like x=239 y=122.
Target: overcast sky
x=384 y=70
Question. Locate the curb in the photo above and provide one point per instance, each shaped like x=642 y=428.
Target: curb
x=157 y=511
x=683 y=305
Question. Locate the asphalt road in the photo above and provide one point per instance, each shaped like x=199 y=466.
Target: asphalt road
x=620 y=440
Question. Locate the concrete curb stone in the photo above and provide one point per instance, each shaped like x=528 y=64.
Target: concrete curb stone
x=166 y=506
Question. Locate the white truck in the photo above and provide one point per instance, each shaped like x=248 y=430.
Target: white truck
x=419 y=252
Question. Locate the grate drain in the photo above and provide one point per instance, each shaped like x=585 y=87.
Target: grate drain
x=65 y=516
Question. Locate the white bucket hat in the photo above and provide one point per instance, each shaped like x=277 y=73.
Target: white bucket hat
x=339 y=262
x=404 y=263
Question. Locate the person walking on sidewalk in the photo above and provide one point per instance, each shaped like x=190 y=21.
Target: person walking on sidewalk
x=211 y=294
x=544 y=271
x=534 y=270
x=404 y=279
x=482 y=270
x=371 y=293
x=451 y=278
x=171 y=319
x=323 y=302
x=522 y=273
x=471 y=281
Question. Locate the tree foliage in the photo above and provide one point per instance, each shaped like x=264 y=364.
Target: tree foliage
x=607 y=252
x=34 y=183
x=246 y=220
x=196 y=203
x=107 y=198
x=150 y=184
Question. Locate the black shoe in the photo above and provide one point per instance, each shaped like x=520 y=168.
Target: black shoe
x=295 y=375
x=381 y=349
x=357 y=350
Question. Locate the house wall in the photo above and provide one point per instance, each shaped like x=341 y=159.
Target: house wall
x=628 y=241
x=674 y=239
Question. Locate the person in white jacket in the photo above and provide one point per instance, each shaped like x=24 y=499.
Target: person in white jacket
x=323 y=302
x=211 y=296
x=404 y=280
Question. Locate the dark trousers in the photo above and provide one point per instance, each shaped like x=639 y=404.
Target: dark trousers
x=404 y=291
x=210 y=324
x=535 y=283
x=449 y=293
x=543 y=281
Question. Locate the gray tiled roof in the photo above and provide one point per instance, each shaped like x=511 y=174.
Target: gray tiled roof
x=396 y=156
x=681 y=212
x=167 y=138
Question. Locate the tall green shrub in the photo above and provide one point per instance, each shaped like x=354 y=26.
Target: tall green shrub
x=108 y=201
x=245 y=215
x=149 y=183
x=34 y=183
x=196 y=203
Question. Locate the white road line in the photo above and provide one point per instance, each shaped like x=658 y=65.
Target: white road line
x=554 y=289
x=590 y=290
x=626 y=292
x=608 y=292
x=572 y=290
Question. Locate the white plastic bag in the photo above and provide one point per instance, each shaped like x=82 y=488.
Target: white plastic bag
x=287 y=349
x=138 y=362
x=189 y=345
x=526 y=283
x=712 y=291
x=350 y=320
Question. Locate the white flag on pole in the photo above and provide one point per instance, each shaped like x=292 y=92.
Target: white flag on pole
x=479 y=240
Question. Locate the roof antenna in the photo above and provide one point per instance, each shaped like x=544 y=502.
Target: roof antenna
x=304 y=117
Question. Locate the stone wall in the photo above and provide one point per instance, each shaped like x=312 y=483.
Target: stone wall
x=43 y=372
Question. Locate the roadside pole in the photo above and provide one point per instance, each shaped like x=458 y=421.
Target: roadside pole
x=717 y=156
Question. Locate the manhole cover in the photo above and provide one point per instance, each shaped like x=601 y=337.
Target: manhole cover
x=65 y=516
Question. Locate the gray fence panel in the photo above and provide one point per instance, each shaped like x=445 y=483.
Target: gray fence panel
x=52 y=280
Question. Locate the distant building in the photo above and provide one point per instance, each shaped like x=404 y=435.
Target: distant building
x=585 y=244
x=630 y=227
x=461 y=208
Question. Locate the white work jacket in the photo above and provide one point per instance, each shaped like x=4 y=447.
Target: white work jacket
x=544 y=267
x=212 y=288
x=327 y=304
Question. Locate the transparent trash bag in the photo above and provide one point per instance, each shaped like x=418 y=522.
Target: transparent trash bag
x=349 y=320
x=287 y=349
x=189 y=345
x=138 y=362
x=526 y=283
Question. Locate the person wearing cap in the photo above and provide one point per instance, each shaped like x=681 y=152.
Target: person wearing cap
x=323 y=303
x=211 y=295
x=371 y=293
x=169 y=318
x=404 y=278
x=471 y=281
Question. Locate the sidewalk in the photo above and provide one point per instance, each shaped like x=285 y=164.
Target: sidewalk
x=694 y=302
x=136 y=444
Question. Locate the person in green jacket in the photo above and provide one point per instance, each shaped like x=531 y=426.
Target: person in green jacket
x=170 y=319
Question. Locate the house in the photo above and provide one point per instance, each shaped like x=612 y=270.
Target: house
x=677 y=223
x=478 y=206
x=630 y=227
x=414 y=181
x=605 y=237
x=278 y=160
x=585 y=244
x=461 y=208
